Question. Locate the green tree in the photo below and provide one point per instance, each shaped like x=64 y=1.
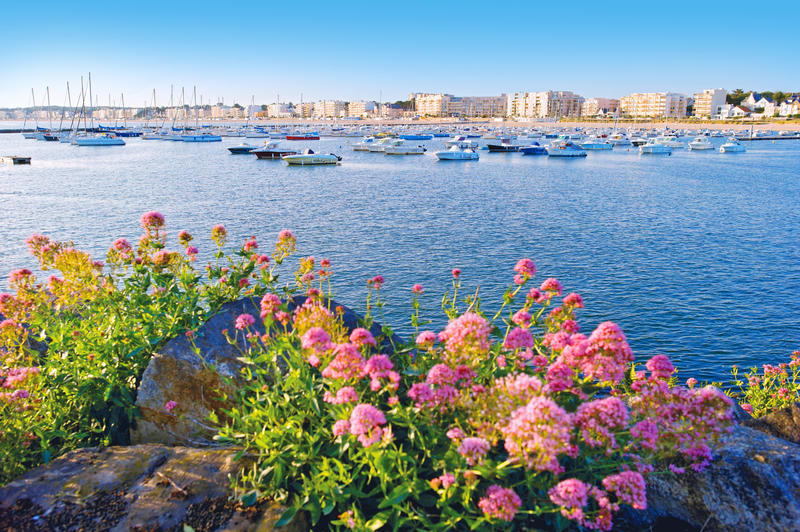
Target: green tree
x=736 y=97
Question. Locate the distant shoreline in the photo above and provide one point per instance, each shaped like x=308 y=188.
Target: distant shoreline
x=423 y=123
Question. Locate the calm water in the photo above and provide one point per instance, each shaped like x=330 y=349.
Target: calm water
x=696 y=256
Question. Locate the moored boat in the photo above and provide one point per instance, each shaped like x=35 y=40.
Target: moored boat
x=701 y=143
x=731 y=146
x=308 y=157
x=597 y=144
x=364 y=144
x=454 y=153
x=653 y=147
x=270 y=150
x=98 y=140
x=533 y=149
x=399 y=147
x=565 y=148
x=504 y=146
x=15 y=159
x=303 y=136
x=242 y=148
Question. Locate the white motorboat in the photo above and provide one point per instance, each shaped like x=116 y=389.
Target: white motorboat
x=670 y=141
x=619 y=139
x=455 y=153
x=701 y=143
x=565 y=148
x=308 y=157
x=594 y=143
x=399 y=147
x=655 y=148
x=731 y=146
x=364 y=144
x=460 y=141
x=379 y=146
x=202 y=137
x=98 y=140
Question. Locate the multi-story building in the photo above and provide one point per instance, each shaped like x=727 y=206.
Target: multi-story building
x=545 y=104
x=432 y=104
x=280 y=110
x=305 y=109
x=654 y=105
x=361 y=108
x=330 y=109
x=599 y=107
x=441 y=104
x=709 y=102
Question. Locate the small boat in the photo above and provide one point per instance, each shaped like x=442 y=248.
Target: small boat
x=98 y=140
x=565 y=148
x=303 y=136
x=638 y=141
x=416 y=137
x=505 y=146
x=731 y=146
x=270 y=150
x=669 y=140
x=378 y=147
x=399 y=147
x=15 y=159
x=594 y=143
x=460 y=142
x=533 y=149
x=202 y=137
x=701 y=143
x=619 y=139
x=458 y=154
x=242 y=148
x=308 y=157
x=364 y=145
x=653 y=147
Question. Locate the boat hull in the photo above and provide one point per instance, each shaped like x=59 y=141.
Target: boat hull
x=301 y=137
x=499 y=148
x=310 y=160
x=533 y=150
x=273 y=154
x=103 y=141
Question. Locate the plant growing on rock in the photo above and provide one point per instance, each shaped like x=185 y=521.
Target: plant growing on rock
x=73 y=347
x=514 y=417
x=773 y=388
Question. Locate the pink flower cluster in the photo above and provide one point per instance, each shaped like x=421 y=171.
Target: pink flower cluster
x=347 y=363
x=13 y=377
x=538 y=433
x=599 y=419
x=465 y=338
x=243 y=321
x=345 y=395
x=474 y=450
x=366 y=423
x=439 y=391
x=518 y=338
x=500 y=503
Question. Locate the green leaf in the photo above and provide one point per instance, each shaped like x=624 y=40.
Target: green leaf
x=286 y=518
x=397 y=496
x=376 y=522
x=187 y=528
x=250 y=499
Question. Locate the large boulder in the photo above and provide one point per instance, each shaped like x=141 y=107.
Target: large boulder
x=142 y=487
x=783 y=423
x=198 y=383
x=752 y=484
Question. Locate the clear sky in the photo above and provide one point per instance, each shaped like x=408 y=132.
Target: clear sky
x=359 y=50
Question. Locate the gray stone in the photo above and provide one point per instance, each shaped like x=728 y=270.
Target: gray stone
x=752 y=484
x=143 y=487
x=783 y=423
x=201 y=384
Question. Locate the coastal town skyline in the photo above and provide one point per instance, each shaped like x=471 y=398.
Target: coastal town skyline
x=367 y=52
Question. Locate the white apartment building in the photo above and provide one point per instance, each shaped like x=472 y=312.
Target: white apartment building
x=709 y=102
x=361 y=108
x=654 y=105
x=544 y=104
x=330 y=109
x=477 y=106
x=305 y=109
x=279 y=110
x=432 y=104
x=599 y=107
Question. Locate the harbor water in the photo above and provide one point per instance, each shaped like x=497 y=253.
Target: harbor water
x=695 y=255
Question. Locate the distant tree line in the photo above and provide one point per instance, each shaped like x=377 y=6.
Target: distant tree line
x=736 y=97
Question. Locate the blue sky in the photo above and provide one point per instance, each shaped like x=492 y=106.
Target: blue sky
x=358 y=50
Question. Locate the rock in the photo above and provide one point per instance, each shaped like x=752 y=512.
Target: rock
x=142 y=487
x=783 y=423
x=198 y=384
x=752 y=484
x=740 y=415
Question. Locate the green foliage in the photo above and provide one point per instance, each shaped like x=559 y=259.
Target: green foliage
x=773 y=388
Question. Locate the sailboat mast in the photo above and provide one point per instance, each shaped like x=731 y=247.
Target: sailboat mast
x=196 y=112
x=124 y=118
x=35 y=112
x=49 y=110
x=91 y=102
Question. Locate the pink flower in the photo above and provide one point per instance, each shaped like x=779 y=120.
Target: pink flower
x=537 y=434
x=500 y=503
x=152 y=220
x=345 y=395
x=269 y=304
x=456 y=273
x=440 y=374
x=426 y=339
x=380 y=367
x=18 y=275
x=573 y=300
x=341 y=427
x=455 y=434
x=361 y=337
x=747 y=407
x=447 y=480
x=170 y=405
x=191 y=251
x=647 y=432
x=218 y=234
x=572 y=495
x=607 y=354
x=536 y=296
x=691 y=382
x=184 y=237
x=560 y=377
x=465 y=338
x=244 y=321
x=473 y=450
x=377 y=282
x=316 y=338
x=525 y=267
x=347 y=363
x=522 y=318
x=365 y=422
x=251 y=244
x=660 y=367
x=599 y=419
x=417 y=289
x=629 y=488
x=518 y=338
x=122 y=245
x=551 y=285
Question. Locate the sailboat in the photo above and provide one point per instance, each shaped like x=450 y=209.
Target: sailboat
x=197 y=136
x=95 y=139
x=32 y=134
x=64 y=136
